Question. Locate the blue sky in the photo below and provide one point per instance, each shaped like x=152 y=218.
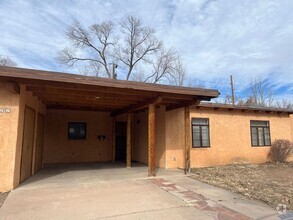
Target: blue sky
x=216 y=38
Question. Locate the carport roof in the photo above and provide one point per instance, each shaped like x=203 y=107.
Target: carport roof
x=70 y=91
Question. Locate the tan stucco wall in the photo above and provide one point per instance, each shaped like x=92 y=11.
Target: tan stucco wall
x=26 y=99
x=140 y=137
x=291 y=117
x=8 y=135
x=175 y=138
x=57 y=147
x=160 y=150
x=11 y=132
x=229 y=137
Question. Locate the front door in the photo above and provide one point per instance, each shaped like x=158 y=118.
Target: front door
x=27 y=143
x=120 y=154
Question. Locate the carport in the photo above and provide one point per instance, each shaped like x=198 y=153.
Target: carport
x=63 y=111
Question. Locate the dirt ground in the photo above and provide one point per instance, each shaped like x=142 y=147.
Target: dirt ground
x=3 y=196
x=269 y=183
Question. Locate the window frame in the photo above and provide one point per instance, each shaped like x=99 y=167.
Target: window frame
x=263 y=131
x=200 y=129
x=85 y=129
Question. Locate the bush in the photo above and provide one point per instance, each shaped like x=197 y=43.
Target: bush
x=280 y=150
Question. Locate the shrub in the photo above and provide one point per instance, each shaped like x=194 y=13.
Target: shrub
x=280 y=150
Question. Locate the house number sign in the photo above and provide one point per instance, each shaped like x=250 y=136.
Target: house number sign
x=5 y=110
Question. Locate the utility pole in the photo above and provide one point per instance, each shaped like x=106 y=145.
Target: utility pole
x=114 y=75
x=232 y=89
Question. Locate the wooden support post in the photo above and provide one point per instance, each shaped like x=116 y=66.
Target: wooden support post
x=151 y=139
x=114 y=139
x=128 y=147
x=187 y=139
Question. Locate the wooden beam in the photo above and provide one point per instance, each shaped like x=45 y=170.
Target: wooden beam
x=84 y=101
x=187 y=138
x=138 y=106
x=82 y=104
x=83 y=97
x=114 y=139
x=183 y=104
x=80 y=108
x=69 y=91
x=13 y=87
x=151 y=139
x=128 y=137
x=39 y=77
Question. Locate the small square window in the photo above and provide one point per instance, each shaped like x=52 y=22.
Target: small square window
x=76 y=130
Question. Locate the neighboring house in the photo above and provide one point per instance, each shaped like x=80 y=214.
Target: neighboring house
x=48 y=117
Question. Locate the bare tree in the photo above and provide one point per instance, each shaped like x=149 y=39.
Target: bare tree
x=139 y=42
x=92 y=46
x=168 y=68
x=285 y=104
x=137 y=51
x=6 y=61
x=261 y=95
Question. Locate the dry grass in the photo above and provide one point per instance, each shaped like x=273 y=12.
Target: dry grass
x=270 y=183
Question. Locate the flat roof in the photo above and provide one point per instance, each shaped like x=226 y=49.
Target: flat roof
x=71 y=91
x=218 y=106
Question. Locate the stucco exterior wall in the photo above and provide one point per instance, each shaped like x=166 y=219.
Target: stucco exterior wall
x=26 y=99
x=11 y=132
x=175 y=138
x=140 y=137
x=230 y=137
x=8 y=135
x=57 y=147
x=291 y=118
x=160 y=150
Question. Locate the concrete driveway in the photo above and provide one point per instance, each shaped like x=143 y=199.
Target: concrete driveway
x=110 y=191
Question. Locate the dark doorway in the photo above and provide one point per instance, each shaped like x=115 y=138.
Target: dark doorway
x=120 y=154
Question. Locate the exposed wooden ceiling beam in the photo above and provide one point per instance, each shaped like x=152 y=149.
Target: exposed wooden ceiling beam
x=97 y=91
x=80 y=108
x=138 y=106
x=92 y=96
x=86 y=100
x=183 y=104
x=84 y=104
x=13 y=87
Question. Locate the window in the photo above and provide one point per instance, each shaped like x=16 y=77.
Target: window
x=260 y=133
x=76 y=130
x=200 y=132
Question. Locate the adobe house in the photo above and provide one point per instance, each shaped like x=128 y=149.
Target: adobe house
x=52 y=118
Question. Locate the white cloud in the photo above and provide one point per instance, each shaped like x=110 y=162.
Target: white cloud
x=215 y=38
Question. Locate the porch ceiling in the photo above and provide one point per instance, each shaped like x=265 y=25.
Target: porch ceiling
x=70 y=91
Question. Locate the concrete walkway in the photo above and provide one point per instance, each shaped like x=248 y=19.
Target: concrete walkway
x=103 y=191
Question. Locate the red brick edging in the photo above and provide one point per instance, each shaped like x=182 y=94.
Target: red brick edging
x=199 y=201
